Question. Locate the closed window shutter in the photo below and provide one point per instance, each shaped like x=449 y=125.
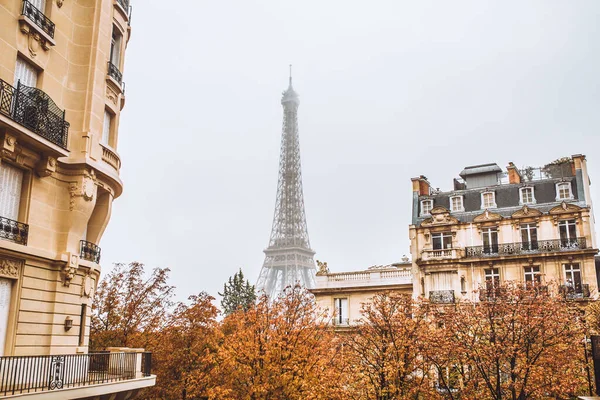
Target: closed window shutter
x=5 y=293
x=25 y=73
x=106 y=127
x=11 y=180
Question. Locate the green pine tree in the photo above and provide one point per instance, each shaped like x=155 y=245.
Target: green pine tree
x=237 y=294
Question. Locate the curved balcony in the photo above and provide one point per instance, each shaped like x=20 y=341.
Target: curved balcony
x=14 y=231
x=441 y=296
x=111 y=158
x=35 y=110
x=440 y=254
x=89 y=251
x=113 y=72
x=38 y=18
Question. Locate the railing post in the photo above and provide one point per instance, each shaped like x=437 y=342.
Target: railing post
x=16 y=105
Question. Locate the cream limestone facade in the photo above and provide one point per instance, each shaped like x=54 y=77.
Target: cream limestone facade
x=61 y=95
x=533 y=226
x=342 y=294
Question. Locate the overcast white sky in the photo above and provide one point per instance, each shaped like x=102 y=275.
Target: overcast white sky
x=389 y=90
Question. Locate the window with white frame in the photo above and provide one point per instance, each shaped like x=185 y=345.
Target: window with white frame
x=426 y=206
x=489 y=237
x=568 y=232
x=526 y=194
x=532 y=276
x=529 y=239
x=572 y=275
x=341 y=311
x=441 y=240
x=492 y=280
x=25 y=73
x=456 y=204
x=563 y=191
x=115 y=48
x=488 y=200
x=106 y=127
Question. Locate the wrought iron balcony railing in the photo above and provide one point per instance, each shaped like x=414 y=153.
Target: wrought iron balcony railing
x=38 y=17
x=539 y=246
x=575 y=291
x=341 y=321
x=89 y=251
x=114 y=73
x=35 y=110
x=30 y=374
x=14 y=231
x=441 y=296
x=124 y=4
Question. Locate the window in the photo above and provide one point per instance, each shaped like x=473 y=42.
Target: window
x=492 y=278
x=442 y=240
x=106 y=127
x=25 y=73
x=563 y=191
x=39 y=4
x=341 y=311
x=11 y=181
x=426 y=206
x=529 y=239
x=82 y=320
x=5 y=295
x=526 y=195
x=573 y=276
x=532 y=276
x=568 y=233
x=489 y=237
x=115 y=48
x=456 y=204
x=488 y=200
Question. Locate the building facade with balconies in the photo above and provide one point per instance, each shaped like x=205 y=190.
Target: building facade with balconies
x=532 y=226
x=61 y=95
x=343 y=293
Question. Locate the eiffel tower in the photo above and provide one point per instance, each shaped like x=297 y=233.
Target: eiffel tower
x=289 y=258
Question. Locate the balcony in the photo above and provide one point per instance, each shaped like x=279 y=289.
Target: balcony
x=575 y=291
x=341 y=321
x=441 y=254
x=38 y=18
x=525 y=248
x=14 y=231
x=35 y=110
x=34 y=374
x=441 y=296
x=114 y=73
x=382 y=278
x=89 y=251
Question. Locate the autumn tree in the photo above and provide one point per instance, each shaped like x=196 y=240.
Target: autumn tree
x=184 y=351
x=519 y=344
x=279 y=349
x=128 y=306
x=386 y=349
x=237 y=294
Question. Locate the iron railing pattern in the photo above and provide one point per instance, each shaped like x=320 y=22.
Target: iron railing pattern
x=441 y=296
x=540 y=246
x=575 y=291
x=35 y=110
x=89 y=251
x=14 y=231
x=341 y=321
x=30 y=374
x=124 y=4
x=114 y=72
x=38 y=17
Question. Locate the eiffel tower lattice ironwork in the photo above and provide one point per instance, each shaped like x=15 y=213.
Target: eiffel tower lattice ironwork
x=289 y=258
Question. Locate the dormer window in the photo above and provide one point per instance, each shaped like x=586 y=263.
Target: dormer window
x=563 y=191
x=456 y=204
x=488 y=200
x=526 y=195
x=426 y=206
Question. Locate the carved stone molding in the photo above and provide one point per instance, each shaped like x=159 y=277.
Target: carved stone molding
x=439 y=216
x=59 y=3
x=87 y=285
x=526 y=212
x=111 y=95
x=70 y=269
x=487 y=216
x=86 y=190
x=35 y=41
x=46 y=166
x=10 y=268
x=565 y=208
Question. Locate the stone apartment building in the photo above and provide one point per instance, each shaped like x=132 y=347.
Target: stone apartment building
x=61 y=95
x=343 y=293
x=533 y=226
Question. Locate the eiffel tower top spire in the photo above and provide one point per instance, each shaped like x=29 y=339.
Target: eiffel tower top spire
x=289 y=258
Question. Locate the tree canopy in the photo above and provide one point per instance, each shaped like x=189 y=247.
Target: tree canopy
x=237 y=294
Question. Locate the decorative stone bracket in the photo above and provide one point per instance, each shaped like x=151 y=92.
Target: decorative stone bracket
x=70 y=269
x=35 y=40
x=10 y=268
x=46 y=166
x=86 y=189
